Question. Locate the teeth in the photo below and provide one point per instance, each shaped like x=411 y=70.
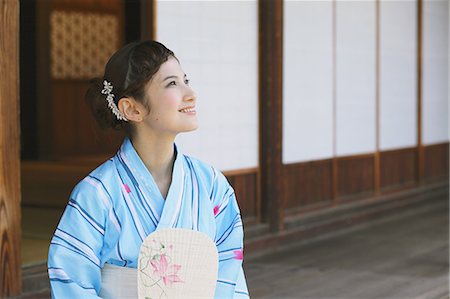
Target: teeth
x=187 y=110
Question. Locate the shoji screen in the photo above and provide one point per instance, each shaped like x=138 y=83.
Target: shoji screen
x=217 y=44
x=435 y=72
x=355 y=77
x=307 y=81
x=398 y=74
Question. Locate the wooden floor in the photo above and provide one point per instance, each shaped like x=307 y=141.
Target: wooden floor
x=402 y=257
x=405 y=256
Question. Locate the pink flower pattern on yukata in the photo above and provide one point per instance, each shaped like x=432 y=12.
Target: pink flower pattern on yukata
x=238 y=254
x=168 y=273
x=127 y=188
x=216 y=210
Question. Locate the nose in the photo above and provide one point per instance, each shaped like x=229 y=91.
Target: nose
x=190 y=94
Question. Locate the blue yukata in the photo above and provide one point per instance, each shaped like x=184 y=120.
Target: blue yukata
x=113 y=209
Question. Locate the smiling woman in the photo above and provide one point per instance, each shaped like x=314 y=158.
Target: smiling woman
x=148 y=185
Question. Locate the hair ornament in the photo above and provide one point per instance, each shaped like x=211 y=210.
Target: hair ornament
x=107 y=90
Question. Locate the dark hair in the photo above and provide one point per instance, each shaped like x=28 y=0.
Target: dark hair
x=128 y=70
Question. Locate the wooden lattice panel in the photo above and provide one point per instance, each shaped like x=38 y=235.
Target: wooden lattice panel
x=81 y=43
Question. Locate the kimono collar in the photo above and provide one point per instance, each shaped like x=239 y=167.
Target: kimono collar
x=184 y=200
x=143 y=175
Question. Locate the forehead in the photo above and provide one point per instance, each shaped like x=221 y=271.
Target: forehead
x=169 y=68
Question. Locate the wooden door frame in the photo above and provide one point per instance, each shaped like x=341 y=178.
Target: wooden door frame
x=10 y=213
x=270 y=22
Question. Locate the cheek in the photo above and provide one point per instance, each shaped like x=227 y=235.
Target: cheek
x=171 y=99
x=167 y=104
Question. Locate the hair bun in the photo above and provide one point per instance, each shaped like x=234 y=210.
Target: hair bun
x=99 y=106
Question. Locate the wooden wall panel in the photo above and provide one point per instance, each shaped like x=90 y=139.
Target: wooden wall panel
x=398 y=168
x=47 y=184
x=307 y=184
x=66 y=127
x=10 y=230
x=355 y=175
x=436 y=161
x=245 y=186
x=75 y=130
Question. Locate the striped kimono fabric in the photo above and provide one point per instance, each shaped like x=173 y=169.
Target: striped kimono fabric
x=115 y=207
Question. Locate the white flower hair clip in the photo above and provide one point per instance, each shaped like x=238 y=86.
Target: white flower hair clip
x=107 y=89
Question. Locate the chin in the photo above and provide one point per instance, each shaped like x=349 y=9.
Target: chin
x=191 y=128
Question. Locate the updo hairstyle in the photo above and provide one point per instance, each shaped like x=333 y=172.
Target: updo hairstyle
x=128 y=70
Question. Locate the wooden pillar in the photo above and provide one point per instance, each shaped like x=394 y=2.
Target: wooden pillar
x=420 y=150
x=377 y=162
x=10 y=261
x=271 y=111
x=148 y=19
x=334 y=164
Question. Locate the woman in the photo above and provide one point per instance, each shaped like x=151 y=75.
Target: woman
x=149 y=184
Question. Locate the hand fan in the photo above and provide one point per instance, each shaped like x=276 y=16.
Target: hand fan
x=177 y=263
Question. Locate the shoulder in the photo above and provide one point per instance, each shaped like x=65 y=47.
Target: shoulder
x=219 y=189
x=205 y=170
x=97 y=186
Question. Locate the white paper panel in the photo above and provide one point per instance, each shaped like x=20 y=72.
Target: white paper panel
x=355 y=77
x=398 y=74
x=435 y=72
x=217 y=44
x=307 y=81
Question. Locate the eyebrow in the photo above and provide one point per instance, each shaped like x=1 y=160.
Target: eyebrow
x=172 y=77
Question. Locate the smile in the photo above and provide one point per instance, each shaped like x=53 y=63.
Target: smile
x=187 y=110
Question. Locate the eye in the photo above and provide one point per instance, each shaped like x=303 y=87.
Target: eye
x=172 y=83
x=186 y=81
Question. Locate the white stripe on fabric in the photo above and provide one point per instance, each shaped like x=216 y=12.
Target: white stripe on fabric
x=225 y=201
x=195 y=198
x=180 y=198
x=237 y=222
x=105 y=199
x=147 y=196
x=213 y=181
x=75 y=205
x=134 y=214
x=80 y=245
x=244 y=292
x=57 y=273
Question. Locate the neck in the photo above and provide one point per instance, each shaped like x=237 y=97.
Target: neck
x=157 y=153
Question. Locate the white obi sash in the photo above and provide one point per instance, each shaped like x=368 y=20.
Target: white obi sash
x=118 y=282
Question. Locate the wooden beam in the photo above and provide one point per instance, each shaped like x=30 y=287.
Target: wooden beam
x=10 y=261
x=271 y=111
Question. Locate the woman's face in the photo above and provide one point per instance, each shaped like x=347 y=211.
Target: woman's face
x=171 y=100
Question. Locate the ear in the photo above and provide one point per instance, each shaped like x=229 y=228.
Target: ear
x=131 y=109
